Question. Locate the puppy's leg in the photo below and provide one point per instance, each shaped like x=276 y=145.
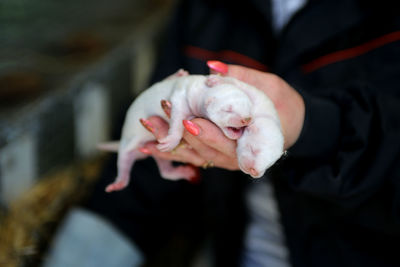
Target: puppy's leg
x=175 y=134
x=174 y=173
x=126 y=159
x=179 y=112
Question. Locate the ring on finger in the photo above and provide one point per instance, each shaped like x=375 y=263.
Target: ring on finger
x=182 y=144
x=208 y=164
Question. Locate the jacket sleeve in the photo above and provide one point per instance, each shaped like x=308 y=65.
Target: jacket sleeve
x=349 y=147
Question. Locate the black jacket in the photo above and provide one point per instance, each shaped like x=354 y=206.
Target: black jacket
x=338 y=188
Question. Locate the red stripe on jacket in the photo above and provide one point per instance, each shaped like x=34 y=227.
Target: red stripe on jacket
x=351 y=52
x=224 y=55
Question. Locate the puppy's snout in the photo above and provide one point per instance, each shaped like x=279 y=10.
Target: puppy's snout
x=247 y=165
x=246 y=121
x=253 y=172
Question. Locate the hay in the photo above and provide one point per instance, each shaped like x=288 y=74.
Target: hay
x=27 y=227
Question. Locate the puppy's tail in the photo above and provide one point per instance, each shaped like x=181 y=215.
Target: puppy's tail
x=111 y=146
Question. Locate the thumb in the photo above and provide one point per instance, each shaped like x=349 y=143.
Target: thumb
x=247 y=75
x=250 y=76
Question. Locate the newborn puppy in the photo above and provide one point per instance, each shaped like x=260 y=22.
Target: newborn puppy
x=191 y=96
x=261 y=142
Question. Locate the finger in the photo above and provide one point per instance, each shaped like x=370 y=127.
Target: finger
x=211 y=144
x=268 y=83
x=191 y=157
x=184 y=155
x=247 y=75
x=159 y=128
x=156 y=125
x=217 y=67
x=212 y=136
x=237 y=71
x=187 y=155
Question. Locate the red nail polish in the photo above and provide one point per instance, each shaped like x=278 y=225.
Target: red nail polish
x=147 y=125
x=144 y=150
x=191 y=127
x=218 y=66
x=166 y=106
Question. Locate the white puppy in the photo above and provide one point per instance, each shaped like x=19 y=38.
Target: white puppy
x=261 y=143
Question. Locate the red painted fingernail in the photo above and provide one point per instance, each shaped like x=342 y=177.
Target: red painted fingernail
x=147 y=125
x=166 y=106
x=191 y=127
x=218 y=66
x=145 y=150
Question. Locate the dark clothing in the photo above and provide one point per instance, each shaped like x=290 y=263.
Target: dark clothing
x=338 y=188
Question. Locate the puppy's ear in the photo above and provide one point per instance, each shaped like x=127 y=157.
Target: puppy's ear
x=179 y=73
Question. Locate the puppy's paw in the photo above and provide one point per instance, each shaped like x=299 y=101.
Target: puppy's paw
x=119 y=184
x=181 y=72
x=167 y=143
x=183 y=172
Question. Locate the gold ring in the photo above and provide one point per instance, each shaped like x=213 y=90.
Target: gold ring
x=181 y=144
x=208 y=164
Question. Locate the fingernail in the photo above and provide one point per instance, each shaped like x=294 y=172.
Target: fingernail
x=191 y=127
x=145 y=150
x=147 y=125
x=218 y=66
x=166 y=106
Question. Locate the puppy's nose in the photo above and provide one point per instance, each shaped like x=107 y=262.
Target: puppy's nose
x=246 y=121
x=253 y=172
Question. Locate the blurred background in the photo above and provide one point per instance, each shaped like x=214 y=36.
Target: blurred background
x=66 y=69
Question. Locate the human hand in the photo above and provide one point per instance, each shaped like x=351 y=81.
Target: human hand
x=203 y=144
